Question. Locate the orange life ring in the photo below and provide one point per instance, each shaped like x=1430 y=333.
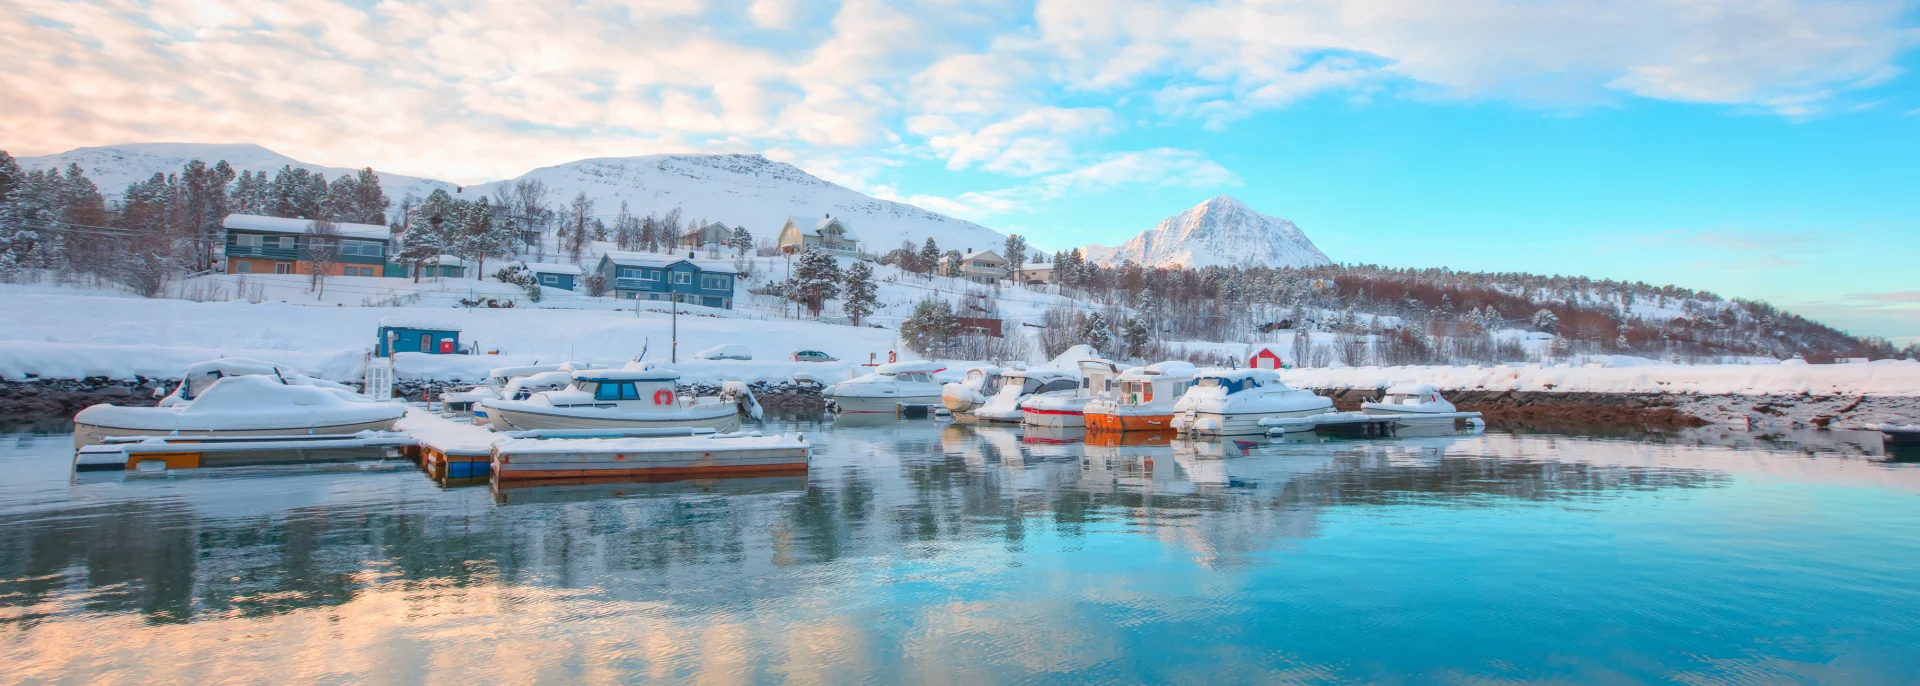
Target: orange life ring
x=663 y=397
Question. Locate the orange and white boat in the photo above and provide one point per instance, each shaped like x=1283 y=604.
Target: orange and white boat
x=1142 y=398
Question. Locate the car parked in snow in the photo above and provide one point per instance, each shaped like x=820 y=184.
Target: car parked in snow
x=725 y=351
x=813 y=356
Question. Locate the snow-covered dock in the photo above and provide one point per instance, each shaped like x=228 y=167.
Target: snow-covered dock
x=701 y=455
x=1358 y=424
x=188 y=452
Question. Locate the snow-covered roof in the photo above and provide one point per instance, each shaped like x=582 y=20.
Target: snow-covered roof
x=653 y=374
x=1043 y=374
x=914 y=367
x=1260 y=376
x=253 y=222
x=551 y=268
x=410 y=322
x=443 y=261
x=985 y=254
x=647 y=259
x=236 y=366
x=1171 y=368
x=821 y=224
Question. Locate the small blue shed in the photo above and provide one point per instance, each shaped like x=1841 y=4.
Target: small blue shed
x=562 y=276
x=413 y=335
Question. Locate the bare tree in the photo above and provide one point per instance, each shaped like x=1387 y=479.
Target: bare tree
x=322 y=253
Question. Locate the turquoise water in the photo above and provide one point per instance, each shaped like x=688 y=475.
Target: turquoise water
x=922 y=553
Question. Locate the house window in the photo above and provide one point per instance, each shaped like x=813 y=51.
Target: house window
x=243 y=267
x=285 y=242
x=653 y=296
x=246 y=240
x=632 y=273
x=362 y=248
x=710 y=301
x=683 y=277
x=426 y=342
x=716 y=282
x=550 y=279
x=283 y=267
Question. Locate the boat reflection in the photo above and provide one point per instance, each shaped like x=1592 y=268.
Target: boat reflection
x=1119 y=438
x=586 y=489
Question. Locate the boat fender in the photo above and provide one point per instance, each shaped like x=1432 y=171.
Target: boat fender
x=663 y=397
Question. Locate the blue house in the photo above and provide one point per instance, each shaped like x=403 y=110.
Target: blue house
x=412 y=335
x=648 y=276
x=551 y=275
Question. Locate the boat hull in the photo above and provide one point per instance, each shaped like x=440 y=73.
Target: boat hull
x=723 y=419
x=94 y=434
x=1129 y=422
x=1375 y=408
x=1054 y=419
x=881 y=404
x=1236 y=424
x=958 y=405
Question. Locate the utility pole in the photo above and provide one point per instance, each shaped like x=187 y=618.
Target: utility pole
x=673 y=351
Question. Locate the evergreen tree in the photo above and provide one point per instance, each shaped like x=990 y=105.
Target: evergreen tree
x=16 y=235
x=480 y=237
x=953 y=263
x=1093 y=330
x=1135 y=335
x=742 y=241
x=203 y=206
x=929 y=257
x=297 y=193
x=931 y=329
x=1016 y=254
x=816 y=279
x=1544 y=319
x=429 y=224
x=861 y=293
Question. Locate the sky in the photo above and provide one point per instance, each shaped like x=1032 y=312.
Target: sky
x=1756 y=148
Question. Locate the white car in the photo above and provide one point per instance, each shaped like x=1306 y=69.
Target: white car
x=726 y=351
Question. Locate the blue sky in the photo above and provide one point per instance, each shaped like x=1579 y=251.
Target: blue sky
x=1756 y=148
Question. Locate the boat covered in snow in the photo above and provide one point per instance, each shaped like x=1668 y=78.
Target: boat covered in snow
x=1064 y=409
x=1020 y=386
x=961 y=397
x=1142 y=398
x=639 y=396
x=246 y=405
x=887 y=388
x=1409 y=399
x=510 y=383
x=1227 y=402
x=201 y=376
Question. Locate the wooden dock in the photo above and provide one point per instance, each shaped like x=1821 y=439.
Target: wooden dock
x=697 y=455
x=190 y=452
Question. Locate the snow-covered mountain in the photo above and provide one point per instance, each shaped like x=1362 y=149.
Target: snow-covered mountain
x=114 y=167
x=1219 y=232
x=746 y=190
x=738 y=190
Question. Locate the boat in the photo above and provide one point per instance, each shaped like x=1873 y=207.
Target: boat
x=247 y=405
x=1065 y=410
x=1142 y=398
x=511 y=383
x=639 y=396
x=1900 y=434
x=961 y=397
x=887 y=388
x=201 y=375
x=1018 y=387
x=1409 y=399
x=1231 y=402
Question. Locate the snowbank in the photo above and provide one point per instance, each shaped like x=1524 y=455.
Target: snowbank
x=1885 y=378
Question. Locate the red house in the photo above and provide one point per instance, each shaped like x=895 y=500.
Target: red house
x=1265 y=358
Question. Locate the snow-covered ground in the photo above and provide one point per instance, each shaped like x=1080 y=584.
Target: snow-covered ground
x=1884 y=378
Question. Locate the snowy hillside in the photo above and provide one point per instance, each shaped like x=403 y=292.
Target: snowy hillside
x=1219 y=232
x=747 y=190
x=114 y=167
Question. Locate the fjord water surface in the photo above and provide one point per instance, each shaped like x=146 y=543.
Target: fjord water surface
x=921 y=552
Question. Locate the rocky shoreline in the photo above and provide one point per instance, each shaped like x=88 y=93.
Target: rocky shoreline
x=40 y=400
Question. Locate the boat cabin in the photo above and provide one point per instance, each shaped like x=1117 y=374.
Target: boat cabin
x=1096 y=377
x=909 y=372
x=619 y=388
x=410 y=335
x=1410 y=394
x=1163 y=382
x=202 y=375
x=1041 y=380
x=1237 y=380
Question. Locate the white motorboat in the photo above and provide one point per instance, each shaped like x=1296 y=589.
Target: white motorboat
x=1142 y=398
x=1066 y=410
x=1020 y=386
x=961 y=397
x=246 y=405
x=1225 y=402
x=1409 y=399
x=887 y=388
x=201 y=375
x=642 y=397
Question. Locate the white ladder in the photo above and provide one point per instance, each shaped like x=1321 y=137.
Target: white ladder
x=378 y=383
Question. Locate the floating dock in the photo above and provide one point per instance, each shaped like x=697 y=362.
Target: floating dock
x=1362 y=425
x=665 y=456
x=189 y=452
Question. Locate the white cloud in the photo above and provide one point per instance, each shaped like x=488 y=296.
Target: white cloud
x=773 y=14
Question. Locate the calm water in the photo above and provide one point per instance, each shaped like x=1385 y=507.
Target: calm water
x=924 y=553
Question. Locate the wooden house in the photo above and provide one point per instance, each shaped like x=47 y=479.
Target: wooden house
x=276 y=245
x=649 y=276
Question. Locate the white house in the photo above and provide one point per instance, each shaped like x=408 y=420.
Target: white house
x=983 y=266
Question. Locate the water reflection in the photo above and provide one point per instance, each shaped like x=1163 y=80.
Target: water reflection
x=895 y=525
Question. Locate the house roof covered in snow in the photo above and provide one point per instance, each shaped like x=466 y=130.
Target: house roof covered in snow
x=820 y=226
x=988 y=255
x=254 y=222
x=647 y=259
x=551 y=268
x=443 y=260
x=417 y=323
